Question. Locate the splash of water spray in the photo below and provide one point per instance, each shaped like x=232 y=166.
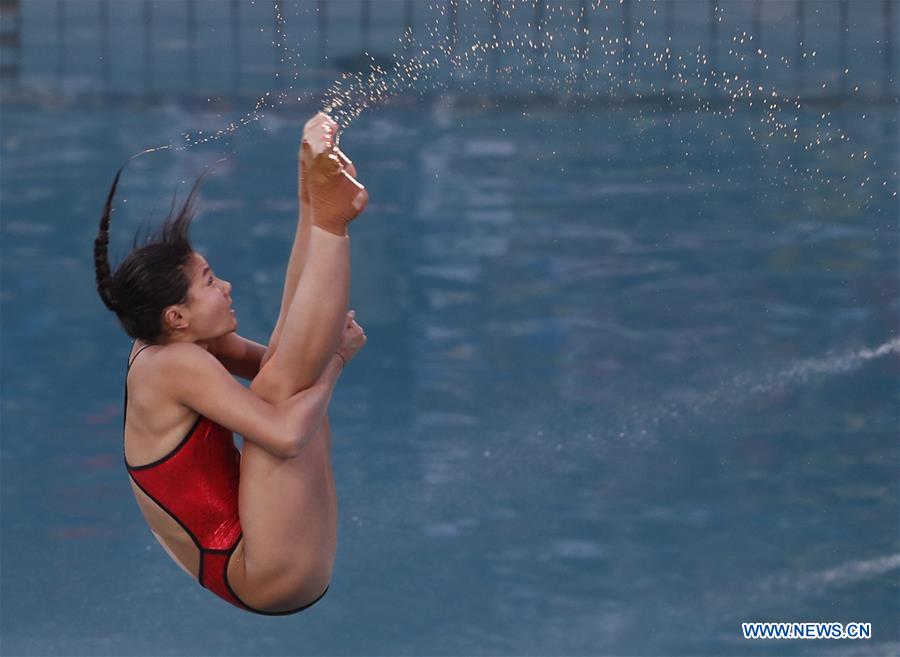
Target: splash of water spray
x=645 y=422
x=418 y=66
x=845 y=574
x=803 y=370
x=263 y=102
x=688 y=75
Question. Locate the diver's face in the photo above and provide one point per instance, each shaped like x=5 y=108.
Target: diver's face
x=209 y=305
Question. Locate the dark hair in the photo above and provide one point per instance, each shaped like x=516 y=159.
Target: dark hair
x=153 y=276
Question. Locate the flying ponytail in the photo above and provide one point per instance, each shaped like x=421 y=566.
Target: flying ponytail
x=101 y=251
x=155 y=275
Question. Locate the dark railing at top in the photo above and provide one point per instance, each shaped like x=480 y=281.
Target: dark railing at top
x=88 y=48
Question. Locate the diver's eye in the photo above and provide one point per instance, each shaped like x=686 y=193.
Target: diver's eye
x=210 y=280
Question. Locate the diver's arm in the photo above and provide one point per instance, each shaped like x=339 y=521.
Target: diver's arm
x=196 y=379
x=240 y=356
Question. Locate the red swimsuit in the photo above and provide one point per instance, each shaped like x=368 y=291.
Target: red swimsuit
x=197 y=485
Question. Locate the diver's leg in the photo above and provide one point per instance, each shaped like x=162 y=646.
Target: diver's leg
x=288 y=507
x=312 y=325
x=300 y=247
x=312 y=129
x=292 y=276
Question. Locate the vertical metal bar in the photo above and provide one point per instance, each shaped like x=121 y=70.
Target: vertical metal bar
x=234 y=13
x=845 y=31
x=757 y=40
x=60 y=41
x=148 y=53
x=322 y=24
x=624 y=63
x=713 y=33
x=192 y=44
x=104 y=46
x=670 y=27
x=408 y=18
x=365 y=23
x=538 y=37
x=452 y=36
x=582 y=46
x=10 y=40
x=495 y=43
x=452 y=27
x=801 y=45
x=276 y=44
x=888 y=83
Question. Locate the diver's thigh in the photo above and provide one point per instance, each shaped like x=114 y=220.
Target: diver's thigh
x=288 y=511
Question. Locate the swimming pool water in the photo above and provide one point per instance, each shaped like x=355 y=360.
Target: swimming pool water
x=578 y=426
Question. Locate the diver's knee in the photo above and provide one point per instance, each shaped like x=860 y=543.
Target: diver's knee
x=289 y=586
x=267 y=354
x=270 y=383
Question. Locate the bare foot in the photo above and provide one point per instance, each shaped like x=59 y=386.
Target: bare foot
x=304 y=163
x=327 y=179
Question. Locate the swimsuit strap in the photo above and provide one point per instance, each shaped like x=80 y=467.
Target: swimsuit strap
x=125 y=406
x=136 y=355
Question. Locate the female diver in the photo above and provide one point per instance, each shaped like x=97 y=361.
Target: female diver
x=257 y=527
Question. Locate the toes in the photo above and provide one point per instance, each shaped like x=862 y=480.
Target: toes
x=334 y=129
x=348 y=164
x=320 y=133
x=360 y=197
x=353 y=181
x=320 y=138
x=317 y=119
x=310 y=128
x=322 y=168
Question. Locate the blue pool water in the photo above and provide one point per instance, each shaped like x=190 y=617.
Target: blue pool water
x=606 y=407
x=631 y=378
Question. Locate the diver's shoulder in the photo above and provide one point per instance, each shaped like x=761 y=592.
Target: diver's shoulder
x=181 y=363
x=182 y=353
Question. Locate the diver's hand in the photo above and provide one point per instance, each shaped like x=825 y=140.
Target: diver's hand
x=352 y=339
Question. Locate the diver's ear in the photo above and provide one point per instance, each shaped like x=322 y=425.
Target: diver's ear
x=176 y=317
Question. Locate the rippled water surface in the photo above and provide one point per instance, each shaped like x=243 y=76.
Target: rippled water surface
x=615 y=398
